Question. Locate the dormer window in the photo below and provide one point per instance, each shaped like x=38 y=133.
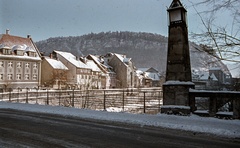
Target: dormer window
x=5 y=50
x=30 y=52
x=18 y=50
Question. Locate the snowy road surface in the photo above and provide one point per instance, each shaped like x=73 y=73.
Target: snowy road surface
x=28 y=129
x=50 y=126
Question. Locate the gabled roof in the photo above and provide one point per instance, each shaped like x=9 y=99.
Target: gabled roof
x=55 y=64
x=93 y=66
x=10 y=41
x=206 y=77
x=149 y=73
x=123 y=58
x=101 y=63
x=72 y=59
x=152 y=70
x=19 y=43
x=97 y=61
x=153 y=76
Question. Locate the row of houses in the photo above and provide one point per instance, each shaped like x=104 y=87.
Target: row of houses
x=213 y=79
x=22 y=66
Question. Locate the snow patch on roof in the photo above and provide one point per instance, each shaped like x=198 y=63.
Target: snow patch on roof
x=56 y=64
x=178 y=83
x=72 y=59
x=93 y=66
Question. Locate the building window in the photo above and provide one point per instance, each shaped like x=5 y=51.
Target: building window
x=34 y=77
x=10 y=76
x=18 y=76
x=35 y=65
x=10 y=64
x=19 y=65
x=26 y=76
x=7 y=51
x=1 y=64
x=27 y=65
x=1 y=76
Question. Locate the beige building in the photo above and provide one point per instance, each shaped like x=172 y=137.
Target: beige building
x=54 y=73
x=82 y=73
x=20 y=63
x=149 y=77
x=124 y=69
x=108 y=76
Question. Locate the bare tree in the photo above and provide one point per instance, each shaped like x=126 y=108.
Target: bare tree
x=224 y=40
x=58 y=77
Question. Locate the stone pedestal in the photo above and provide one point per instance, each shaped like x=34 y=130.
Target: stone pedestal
x=176 y=93
x=236 y=108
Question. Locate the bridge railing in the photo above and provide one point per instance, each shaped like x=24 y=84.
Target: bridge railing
x=134 y=100
x=216 y=99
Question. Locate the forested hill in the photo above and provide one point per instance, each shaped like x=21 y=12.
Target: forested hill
x=145 y=49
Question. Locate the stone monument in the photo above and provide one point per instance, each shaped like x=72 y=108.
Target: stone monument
x=178 y=71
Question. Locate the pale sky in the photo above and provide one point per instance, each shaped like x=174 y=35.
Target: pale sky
x=43 y=19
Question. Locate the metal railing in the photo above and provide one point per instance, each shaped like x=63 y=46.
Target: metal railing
x=134 y=100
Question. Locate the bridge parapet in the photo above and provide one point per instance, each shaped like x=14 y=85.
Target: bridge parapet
x=216 y=100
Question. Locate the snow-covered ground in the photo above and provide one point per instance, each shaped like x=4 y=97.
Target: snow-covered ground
x=220 y=127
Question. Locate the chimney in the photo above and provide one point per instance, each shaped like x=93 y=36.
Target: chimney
x=7 y=31
x=28 y=36
x=51 y=56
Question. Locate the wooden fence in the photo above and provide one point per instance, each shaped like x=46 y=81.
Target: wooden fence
x=144 y=100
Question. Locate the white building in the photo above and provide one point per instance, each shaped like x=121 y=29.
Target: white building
x=20 y=63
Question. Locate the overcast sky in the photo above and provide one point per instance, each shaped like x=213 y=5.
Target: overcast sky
x=51 y=18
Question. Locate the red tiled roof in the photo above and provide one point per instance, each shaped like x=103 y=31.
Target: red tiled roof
x=10 y=41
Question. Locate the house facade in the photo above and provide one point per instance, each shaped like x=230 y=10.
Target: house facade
x=214 y=79
x=108 y=77
x=54 y=73
x=97 y=76
x=124 y=69
x=148 y=77
x=82 y=73
x=20 y=63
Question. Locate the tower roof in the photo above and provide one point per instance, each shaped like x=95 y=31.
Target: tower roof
x=176 y=3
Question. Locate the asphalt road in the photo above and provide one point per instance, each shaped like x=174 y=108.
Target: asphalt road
x=26 y=129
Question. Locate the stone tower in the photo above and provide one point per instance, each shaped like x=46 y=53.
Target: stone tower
x=178 y=58
x=178 y=71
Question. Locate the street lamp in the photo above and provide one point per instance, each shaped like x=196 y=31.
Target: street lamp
x=177 y=13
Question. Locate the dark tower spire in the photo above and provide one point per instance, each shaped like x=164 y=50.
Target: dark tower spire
x=178 y=57
x=178 y=71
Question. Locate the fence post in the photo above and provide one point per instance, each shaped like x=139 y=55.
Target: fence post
x=159 y=101
x=104 y=100
x=27 y=96
x=59 y=93
x=144 y=103
x=10 y=96
x=18 y=95
x=37 y=96
x=47 y=98
x=73 y=98
x=123 y=100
